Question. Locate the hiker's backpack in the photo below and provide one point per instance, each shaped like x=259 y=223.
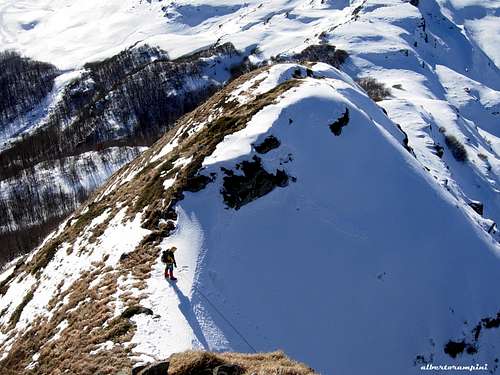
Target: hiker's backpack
x=167 y=256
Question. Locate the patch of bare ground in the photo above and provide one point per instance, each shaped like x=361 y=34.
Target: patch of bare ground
x=274 y=363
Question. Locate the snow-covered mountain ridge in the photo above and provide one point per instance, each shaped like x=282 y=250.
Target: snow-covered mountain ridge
x=250 y=223
x=365 y=234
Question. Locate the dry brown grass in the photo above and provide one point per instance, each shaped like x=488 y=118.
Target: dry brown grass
x=90 y=323
x=274 y=363
x=375 y=89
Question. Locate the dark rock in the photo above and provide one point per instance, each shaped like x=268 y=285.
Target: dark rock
x=164 y=230
x=137 y=369
x=124 y=257
x=470 y=349
x=477 y=331
x=135 y=310
x=356 y=11
x=490 y=323
x=406 y=142
x=337 y=126
x=197 y=183
x=454 y=348
x=297 y=73
x=170 y=213
x=227 y=370
x=478 y=207
x=492 y=227
x=318 y=53
x=256 y=182
x=439 y=150
x=270 y=143
x=157 y=368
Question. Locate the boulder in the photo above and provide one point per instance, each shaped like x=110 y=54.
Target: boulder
x=477 y=206
x=227 y=370
x=156 y=368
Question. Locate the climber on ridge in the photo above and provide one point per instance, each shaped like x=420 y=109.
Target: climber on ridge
x=168 y=258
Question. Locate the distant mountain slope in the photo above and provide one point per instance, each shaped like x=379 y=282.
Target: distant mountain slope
x=299 y=217
x=64 y=143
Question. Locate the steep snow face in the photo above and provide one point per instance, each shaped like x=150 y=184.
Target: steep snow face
x=346 y=260
x=306 y=226
x=444 y=89
x=478 y=20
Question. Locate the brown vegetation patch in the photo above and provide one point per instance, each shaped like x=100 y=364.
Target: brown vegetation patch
x=268 y=144
x=194 y=362
x=44 y=256
x=16 y=315
x=457 y=148
x=375 y=89
x=90 y=323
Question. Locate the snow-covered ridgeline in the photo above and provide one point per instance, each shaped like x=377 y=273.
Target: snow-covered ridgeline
x=358 y=219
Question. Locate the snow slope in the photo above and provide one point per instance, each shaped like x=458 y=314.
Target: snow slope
x=360 y=256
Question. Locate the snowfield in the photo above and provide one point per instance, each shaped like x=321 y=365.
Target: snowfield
x=362 y=246
x=378 y=253
x=313 y=269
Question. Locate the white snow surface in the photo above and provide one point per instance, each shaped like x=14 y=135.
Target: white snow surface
x=363 y=256
x=175 y=326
